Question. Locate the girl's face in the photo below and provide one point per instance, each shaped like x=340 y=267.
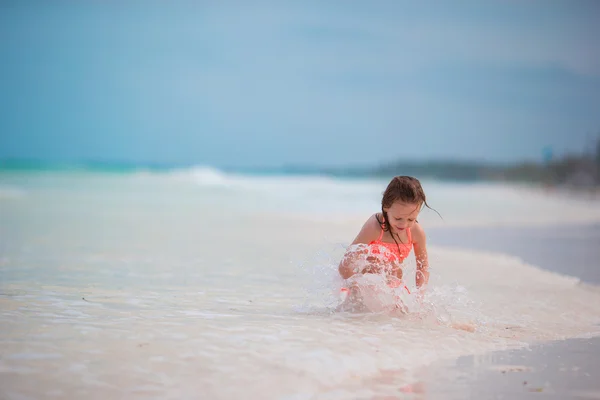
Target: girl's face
x=402 y=215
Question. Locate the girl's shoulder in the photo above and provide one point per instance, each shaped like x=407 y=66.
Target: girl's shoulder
x=376 y=222
x=370 y=229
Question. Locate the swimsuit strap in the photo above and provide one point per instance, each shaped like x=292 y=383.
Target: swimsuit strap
x=409 y=234
x=380 y=235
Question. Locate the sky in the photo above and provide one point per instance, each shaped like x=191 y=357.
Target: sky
x=235 y=83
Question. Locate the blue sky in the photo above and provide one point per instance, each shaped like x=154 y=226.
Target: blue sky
x=310 y=82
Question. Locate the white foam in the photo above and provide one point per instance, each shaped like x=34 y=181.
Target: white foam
x=202 y=175
x=477 y=204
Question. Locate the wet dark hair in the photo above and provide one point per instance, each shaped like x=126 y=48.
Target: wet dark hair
x=405 y=189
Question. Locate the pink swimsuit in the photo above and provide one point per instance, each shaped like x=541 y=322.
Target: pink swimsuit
x=393 y=253
x=397 y=252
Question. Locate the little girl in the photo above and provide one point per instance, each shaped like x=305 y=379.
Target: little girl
x=387 y=238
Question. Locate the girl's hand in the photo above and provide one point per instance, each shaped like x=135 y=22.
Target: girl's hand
x=375 y=266
x=372 y=269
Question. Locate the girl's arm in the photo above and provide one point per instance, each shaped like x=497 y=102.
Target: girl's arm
x=420 y=244
x=368 y=232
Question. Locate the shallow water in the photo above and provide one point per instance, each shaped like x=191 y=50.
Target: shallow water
x=143 y=286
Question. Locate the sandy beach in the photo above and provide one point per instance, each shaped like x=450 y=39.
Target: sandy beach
x=557 y=370
x=566 y=249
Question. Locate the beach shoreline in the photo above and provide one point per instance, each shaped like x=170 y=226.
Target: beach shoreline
x=158 y=287
x=564 y=369
x=565 y=249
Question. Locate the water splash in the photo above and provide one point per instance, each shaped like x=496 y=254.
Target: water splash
x=378 y=292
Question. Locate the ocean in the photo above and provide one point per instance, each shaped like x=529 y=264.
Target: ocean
x=200 y=283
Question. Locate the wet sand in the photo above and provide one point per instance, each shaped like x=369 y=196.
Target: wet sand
x=558 y=370
x=566 y=249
